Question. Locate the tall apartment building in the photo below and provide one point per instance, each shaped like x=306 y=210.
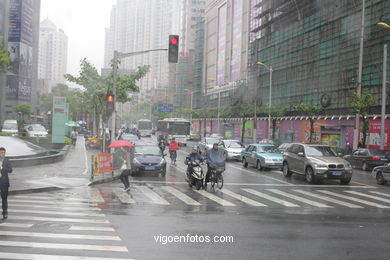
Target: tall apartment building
x=53 y=54
x=138 y=25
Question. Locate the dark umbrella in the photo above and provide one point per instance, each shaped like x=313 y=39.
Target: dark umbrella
x=121 y=143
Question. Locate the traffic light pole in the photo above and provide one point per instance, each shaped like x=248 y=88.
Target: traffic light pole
x=117 y=56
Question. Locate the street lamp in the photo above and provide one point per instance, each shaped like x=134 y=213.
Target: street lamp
x=269 y=68
x=383 y=108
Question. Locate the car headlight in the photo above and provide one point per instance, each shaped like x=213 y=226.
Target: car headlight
x=318 y=165
x=136 y=161
x=268 y=161
x=162 y=161
x=348 y=165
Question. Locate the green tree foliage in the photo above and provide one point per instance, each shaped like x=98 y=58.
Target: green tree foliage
x=361 y=105
x=4 y=57
x=24 y=110
x=276 y=111
x=309 y=110
x=243 y=110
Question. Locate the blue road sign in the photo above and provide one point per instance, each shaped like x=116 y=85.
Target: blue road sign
x=165 y=108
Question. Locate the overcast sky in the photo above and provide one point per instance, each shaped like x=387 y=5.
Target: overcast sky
x=84 y=22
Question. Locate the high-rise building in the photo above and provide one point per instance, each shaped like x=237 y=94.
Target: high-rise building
x=53 y=50
x=3 y=41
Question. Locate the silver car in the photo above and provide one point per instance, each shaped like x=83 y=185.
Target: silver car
x=317 y=162
x=231 y=148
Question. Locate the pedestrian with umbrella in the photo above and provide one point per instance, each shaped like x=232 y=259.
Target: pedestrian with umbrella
x=126 y=158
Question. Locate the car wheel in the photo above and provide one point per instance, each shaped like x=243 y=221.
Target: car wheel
x=244 y=163
x=380 y=179
x=309 y=174
x=345 y=181
x=286 y=170
x=163 y=174
x=365 y=166
x=258 y=165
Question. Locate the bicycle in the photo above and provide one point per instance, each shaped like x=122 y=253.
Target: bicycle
x=216 y=177
x=173 y=155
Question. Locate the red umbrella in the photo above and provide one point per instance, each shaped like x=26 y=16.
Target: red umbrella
x=121 y=143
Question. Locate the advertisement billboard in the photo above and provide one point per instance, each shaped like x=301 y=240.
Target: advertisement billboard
x=235 y=63
x=221 y=44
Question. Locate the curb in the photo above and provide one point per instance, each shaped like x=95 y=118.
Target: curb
x=105 y=180
x=37 y=190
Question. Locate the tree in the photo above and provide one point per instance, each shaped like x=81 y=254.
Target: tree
x=23 y=110
x=243 y=110
x=5 y=60
x=309 y=110
x=275 y=113
x=361 y=105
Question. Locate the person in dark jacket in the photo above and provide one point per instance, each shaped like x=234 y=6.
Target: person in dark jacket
x=5 y=169
x=193 y=156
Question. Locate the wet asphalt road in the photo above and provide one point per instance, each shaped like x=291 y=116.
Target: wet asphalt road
x=266 y=215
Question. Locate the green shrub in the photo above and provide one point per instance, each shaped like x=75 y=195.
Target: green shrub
x=67 y=140
x=5 y=134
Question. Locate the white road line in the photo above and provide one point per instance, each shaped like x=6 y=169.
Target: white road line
x=181 y=196
x=85 y=158
x=15 y=204
x=95 y=195
x=326 y=198
x=53 y=202
x=60 y=236
x=381 y=193
x=80 y=214
x=52 y=257
x=85 y=228
x=262 y=175
x=94 y=221
x=64 y=246
x=268 y=197
x=300 y=199
x=123 y=197
x=152 y=195
x=242 y=198
x=368 y=196
x=215 y=198
x=19 y=225
x=354 y=199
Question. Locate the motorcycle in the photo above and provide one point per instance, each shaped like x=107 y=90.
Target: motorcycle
x=161 y=144
x=94 y=142
x=197 y=176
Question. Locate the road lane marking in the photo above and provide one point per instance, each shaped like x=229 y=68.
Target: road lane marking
x=53 y=202
x=19 y=225
x=369 y=196
x=52 y=257
x=91 y=228
x=212 y=197
x=354 y=199
x=181 y=196
x=273 y=199
x=95 y=195
x=157 y=199
x=381 y=193
x=242 y=198
x=54 y=199
x=85 y=158
x=59 y=236
x=94 y=221
x=15 y=204
x=326 y=198
x=64 y=246
x=300 y=199
x=123 y=196
x=360 y=183
x=80 y=214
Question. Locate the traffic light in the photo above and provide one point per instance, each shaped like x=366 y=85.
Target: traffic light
x=110 y=102
x=173 y=50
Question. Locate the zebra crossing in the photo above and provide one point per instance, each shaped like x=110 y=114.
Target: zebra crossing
x=235 y=196
x=70 y=228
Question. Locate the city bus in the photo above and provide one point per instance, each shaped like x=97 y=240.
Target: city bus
x=174 y=127
x=145 y=127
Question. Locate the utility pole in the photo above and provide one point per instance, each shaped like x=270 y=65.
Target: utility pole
x=383 y=110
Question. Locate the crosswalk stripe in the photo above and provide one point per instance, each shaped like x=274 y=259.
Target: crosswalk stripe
x=181 y=196
x=84 y=228
x=60 y=236
x=61 y=219
x=215 y=198
x=326 y=198
x=354 y=199
x=15 y=204
x=53 y=202
x=268 y=197
x=300 y=199
x=123 y=197
x=242 y=198
x=152 y=195
x=95 y=195
x=19 y=225
x=52 y=257
x=57 y=213
x=54 y=198
x=381 y=193
x=64 y=246
x=369 y=196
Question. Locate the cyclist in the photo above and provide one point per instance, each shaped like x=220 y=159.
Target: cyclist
x=173 y=147
x=214 y=157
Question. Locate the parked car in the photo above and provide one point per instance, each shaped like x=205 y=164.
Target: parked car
x=317 y=162
x=10 y=126
x=231 y=148
x=262 y=156
x=36 y=130
x=217 y=136
x=207 y=144
x=283 y=147
x=148 y=159
x=381 y=173
x=366 y=159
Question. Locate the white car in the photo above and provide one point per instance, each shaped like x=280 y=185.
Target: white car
x=10 y=126
x=36 y=130
x=231 y=148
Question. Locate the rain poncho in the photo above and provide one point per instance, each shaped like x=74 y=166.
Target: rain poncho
x=215 y=158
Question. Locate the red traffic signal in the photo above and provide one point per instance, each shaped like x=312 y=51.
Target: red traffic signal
x=173 y=49
x=174 y=40
x=110 y=98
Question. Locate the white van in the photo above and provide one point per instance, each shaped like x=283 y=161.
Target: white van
x=10 y=126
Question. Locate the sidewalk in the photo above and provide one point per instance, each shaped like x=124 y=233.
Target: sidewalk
x=73 y=171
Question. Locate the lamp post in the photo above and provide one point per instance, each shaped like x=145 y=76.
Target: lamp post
x=383 y=108
x=269 y=68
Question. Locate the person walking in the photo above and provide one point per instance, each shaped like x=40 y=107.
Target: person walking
x=126 y=169
x=5 y=169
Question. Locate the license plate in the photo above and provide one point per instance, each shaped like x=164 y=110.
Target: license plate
x=278 y=164
x=384 y=159
x=336 y=173
x=149 y=168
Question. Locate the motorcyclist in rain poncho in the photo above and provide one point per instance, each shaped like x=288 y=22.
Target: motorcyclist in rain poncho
x=215 y=159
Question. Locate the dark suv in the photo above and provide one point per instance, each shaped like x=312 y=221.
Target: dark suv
x=317 y=162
